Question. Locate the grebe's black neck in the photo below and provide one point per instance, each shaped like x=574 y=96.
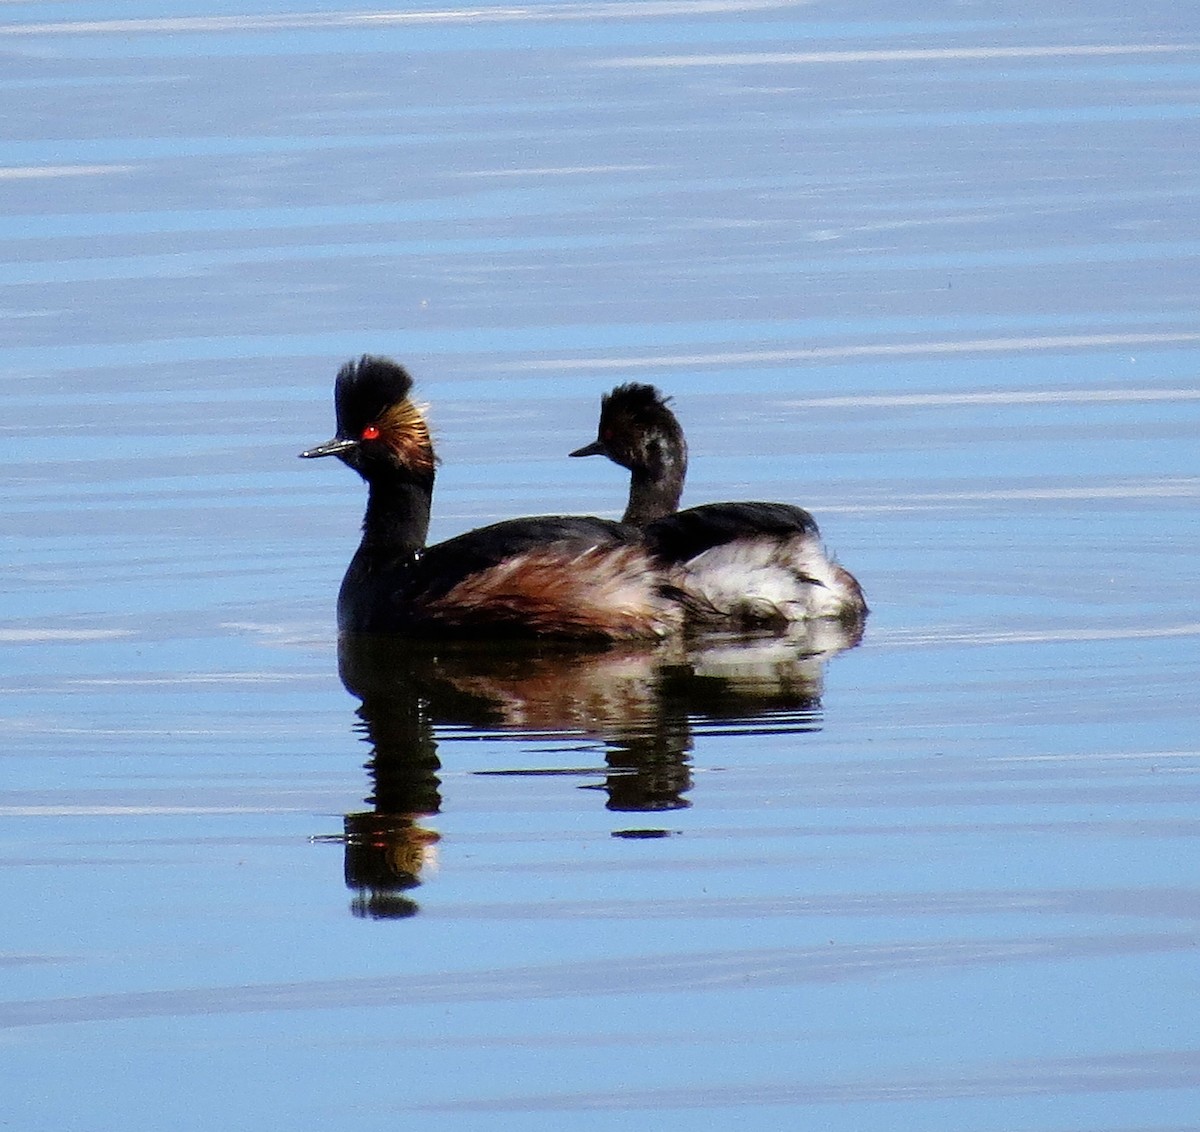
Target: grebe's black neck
x=397 y=517
x=655 y=486
x=638 y=431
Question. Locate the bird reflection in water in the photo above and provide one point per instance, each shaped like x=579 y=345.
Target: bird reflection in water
x=642 y=701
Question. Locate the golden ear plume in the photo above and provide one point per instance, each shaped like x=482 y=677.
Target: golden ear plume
x=405 y=431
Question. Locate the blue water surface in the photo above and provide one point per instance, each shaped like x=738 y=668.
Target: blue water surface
x=932 y=277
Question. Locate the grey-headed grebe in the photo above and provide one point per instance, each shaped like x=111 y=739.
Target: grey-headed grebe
x=750 y=563
x=553 y=575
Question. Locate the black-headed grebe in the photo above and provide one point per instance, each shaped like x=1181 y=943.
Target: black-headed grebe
x=752 y=563
x=554 y=575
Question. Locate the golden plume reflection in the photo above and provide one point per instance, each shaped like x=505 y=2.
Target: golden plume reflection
x=642 y=702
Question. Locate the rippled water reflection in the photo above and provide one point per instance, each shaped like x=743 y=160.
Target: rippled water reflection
x=932 y=277
x=643 y=704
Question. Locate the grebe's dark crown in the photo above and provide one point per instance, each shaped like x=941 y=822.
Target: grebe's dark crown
x=641 y=405
x=366 y=389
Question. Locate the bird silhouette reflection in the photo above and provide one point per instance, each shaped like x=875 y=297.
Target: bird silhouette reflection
x=644 y=703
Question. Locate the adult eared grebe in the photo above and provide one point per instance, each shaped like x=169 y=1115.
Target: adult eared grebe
x=553 y=575
x=749 y=563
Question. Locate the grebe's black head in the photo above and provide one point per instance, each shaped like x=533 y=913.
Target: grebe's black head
x=638 y=431
x=379 y=429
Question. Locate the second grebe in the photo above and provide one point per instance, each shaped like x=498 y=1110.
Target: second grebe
x=751 y=563
x=552 y=575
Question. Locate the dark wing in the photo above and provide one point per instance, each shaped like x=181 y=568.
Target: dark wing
x=686 y=534
x=442 y=567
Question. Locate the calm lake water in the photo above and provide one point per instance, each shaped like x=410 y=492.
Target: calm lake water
x=931 y=274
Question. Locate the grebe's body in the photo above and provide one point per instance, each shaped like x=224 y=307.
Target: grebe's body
x=562 y=576
x=748 y=563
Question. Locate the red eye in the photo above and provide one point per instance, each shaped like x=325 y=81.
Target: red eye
x=607 y=434
x=370 y=433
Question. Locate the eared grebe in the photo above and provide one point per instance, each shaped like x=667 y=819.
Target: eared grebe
x=563 y=576
x=750 y=563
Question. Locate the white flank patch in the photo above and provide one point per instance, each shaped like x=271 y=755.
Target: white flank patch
x=765 y=579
